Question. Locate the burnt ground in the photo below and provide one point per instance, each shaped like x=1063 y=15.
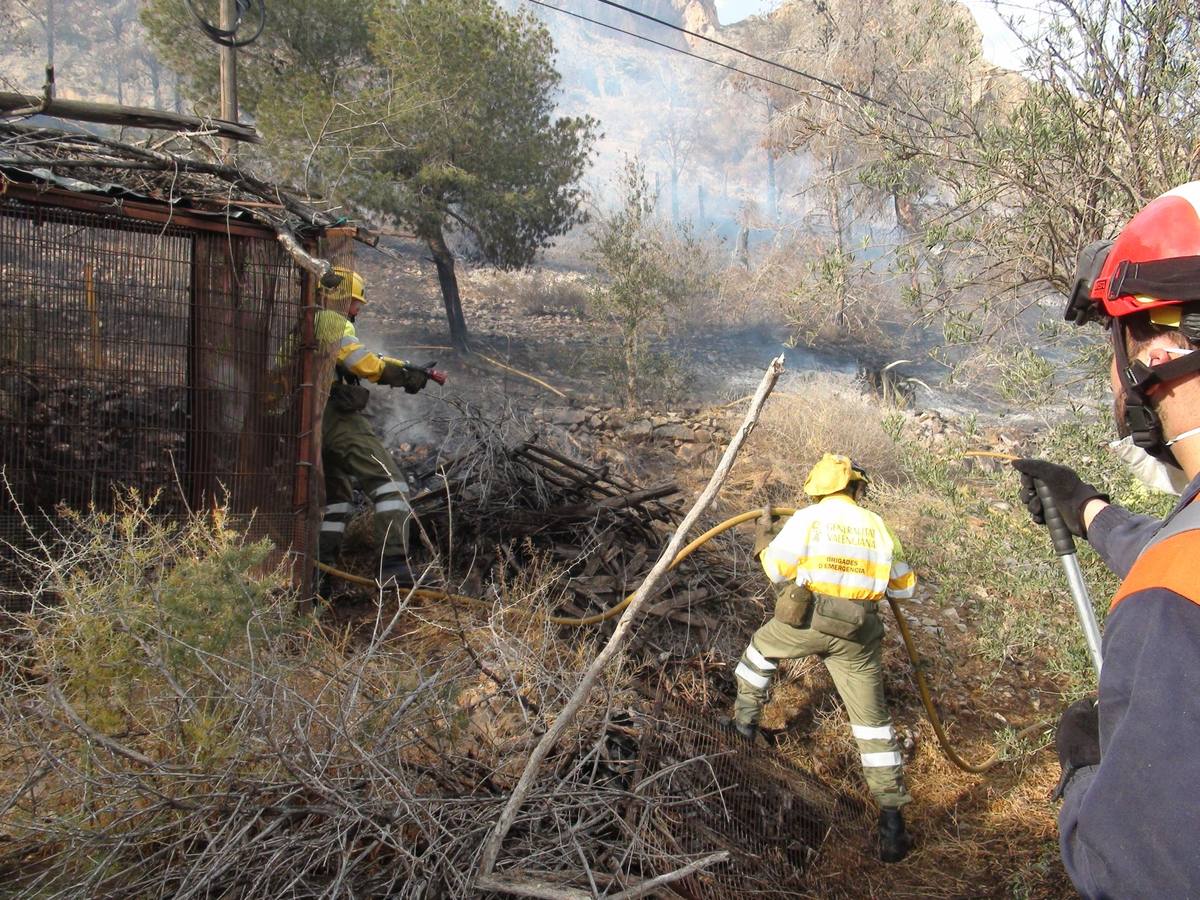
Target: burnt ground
x=992 y=835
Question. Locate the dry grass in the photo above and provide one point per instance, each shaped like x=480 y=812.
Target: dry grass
x=535 y=292
x=796 y=428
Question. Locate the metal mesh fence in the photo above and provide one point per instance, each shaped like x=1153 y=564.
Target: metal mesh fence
x=161 y=358
x=712 y=790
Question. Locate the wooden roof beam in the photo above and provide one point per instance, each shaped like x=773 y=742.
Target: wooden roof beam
x=126 y=116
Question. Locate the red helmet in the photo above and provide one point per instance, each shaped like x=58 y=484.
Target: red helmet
x=1154 y=267
x=1154 y=263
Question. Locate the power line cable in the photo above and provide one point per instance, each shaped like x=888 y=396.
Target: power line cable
x=227 y=37
x=762 y=59
x=649 y=40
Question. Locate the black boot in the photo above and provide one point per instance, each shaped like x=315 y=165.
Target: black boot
x=395 y=568
x=322 y=586
x=746 y=732
x=894 y=840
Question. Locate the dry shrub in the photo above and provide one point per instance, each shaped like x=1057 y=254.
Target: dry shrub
x=172 y=726
x=537 y=292
x=799 y=425
x=789 y=281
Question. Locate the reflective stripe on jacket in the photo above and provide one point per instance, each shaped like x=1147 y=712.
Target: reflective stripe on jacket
x=838 y=548
x=335 y=330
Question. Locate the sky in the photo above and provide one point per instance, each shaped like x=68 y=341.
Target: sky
x=999 y=44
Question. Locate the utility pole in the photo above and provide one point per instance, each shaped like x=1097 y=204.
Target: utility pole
x=51 y=24
x=229 y=98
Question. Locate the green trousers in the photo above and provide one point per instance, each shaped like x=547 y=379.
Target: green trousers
x=352 y=454
x=857 y=671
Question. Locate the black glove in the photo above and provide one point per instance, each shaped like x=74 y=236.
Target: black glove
x=407 y=377
x=1070 y=493
x=1077 y=739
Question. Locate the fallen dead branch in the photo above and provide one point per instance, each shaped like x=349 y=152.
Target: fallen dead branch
x=495 y=839
x=533 y=378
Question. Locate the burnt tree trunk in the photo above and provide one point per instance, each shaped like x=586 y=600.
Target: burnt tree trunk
x=51 y=27
x=444 y=260
x=840 y=288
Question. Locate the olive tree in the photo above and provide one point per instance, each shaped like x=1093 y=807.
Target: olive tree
x=645 y=268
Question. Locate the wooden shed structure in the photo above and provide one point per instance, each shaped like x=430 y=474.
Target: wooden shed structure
x=156 y=334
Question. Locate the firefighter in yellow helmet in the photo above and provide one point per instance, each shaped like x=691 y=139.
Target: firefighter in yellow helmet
x=831 y=563
x=351 y=453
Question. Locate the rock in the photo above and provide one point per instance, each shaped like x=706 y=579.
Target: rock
x=703 y=435
x=568 y=416
x=951 y=613
x=660 y=421
x=638 y=430
x=673 y=433
x=596 y=421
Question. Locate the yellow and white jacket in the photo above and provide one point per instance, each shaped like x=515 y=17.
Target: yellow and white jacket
x=836 y=547
x=335 y=330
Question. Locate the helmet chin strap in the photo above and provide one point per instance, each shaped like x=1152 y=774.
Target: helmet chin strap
x=1190 y=433
x=1141 y=419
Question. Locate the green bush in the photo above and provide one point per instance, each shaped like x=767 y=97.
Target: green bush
x=139 y=601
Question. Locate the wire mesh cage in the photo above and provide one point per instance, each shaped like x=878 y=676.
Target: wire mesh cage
x=711 y=790
x=159 y=357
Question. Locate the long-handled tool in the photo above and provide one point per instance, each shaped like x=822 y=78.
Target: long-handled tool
x=1064 y=546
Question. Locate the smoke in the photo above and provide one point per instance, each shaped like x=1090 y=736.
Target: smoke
x=400 y=418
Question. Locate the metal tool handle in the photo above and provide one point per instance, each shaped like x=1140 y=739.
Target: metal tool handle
x=1060 y=534
x=1064 y=546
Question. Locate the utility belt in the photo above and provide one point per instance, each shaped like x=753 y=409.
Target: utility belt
x=852 y=620
x=347 y=396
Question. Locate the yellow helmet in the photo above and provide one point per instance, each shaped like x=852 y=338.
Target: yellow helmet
x=832 y=474
x=351 y=288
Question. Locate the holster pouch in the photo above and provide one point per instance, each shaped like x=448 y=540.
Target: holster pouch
x=349 y=398
x=852 y=620
x=793 y=605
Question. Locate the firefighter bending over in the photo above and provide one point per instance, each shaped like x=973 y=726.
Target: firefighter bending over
x=350 y=451
x=831 y=564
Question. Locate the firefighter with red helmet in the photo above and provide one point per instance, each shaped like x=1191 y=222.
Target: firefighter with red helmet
x=1131 y=759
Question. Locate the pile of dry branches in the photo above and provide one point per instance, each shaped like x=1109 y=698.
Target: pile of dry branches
x=173 y=728
x=93 y=162
x=506 y=497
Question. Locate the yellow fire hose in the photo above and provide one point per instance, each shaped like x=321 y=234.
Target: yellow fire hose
x=914 y=658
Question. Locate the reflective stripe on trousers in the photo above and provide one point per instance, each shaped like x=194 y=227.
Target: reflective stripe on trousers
x=754 y=671
x=857 y=672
